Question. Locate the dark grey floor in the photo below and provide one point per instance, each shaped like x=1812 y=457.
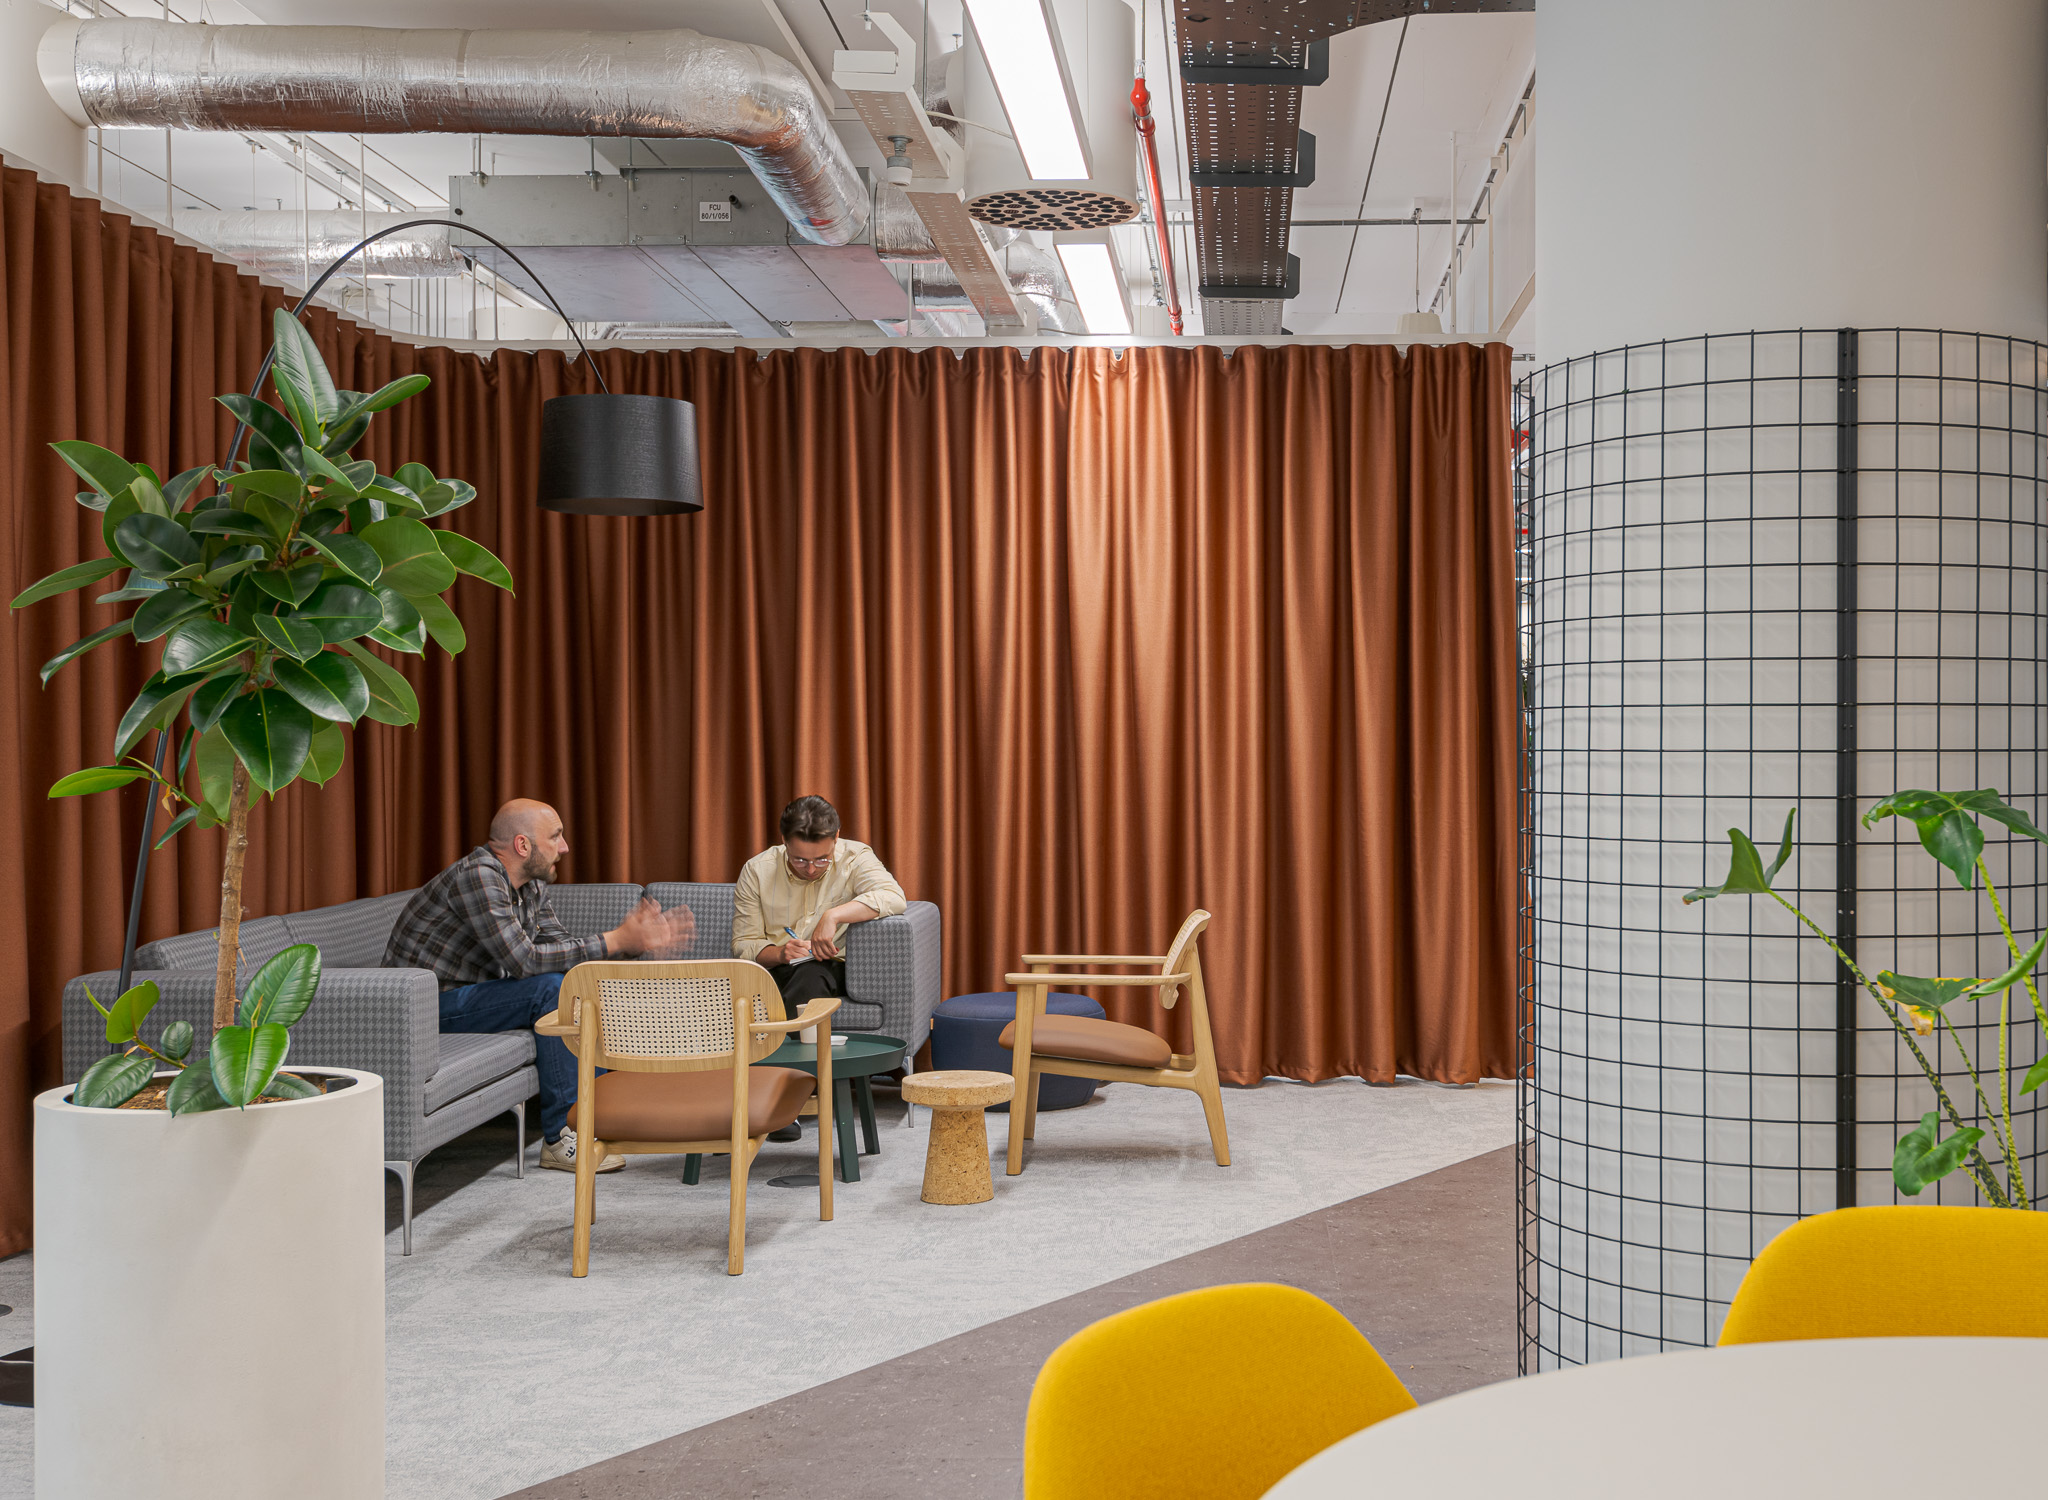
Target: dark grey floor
x=1425 y=1268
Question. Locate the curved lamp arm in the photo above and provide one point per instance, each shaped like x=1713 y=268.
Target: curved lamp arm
x=227 y=466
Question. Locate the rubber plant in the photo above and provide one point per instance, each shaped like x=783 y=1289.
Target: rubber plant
x=266 y=591
x=1917 y=1007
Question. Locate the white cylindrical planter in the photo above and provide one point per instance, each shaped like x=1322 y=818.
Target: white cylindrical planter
x=210 y=1299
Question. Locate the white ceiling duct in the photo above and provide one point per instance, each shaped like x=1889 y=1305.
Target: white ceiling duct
x=286 y=244
x=385 y=80
x=1099 y=53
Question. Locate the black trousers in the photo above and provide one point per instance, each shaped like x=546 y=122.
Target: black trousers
x=813 y=979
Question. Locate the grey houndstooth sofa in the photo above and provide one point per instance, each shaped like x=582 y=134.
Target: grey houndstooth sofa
x=388 y=1021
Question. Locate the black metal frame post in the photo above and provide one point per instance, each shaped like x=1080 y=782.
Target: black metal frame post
x=1846 y=788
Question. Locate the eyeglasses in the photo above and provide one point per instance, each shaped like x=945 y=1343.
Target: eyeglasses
x=811 y=864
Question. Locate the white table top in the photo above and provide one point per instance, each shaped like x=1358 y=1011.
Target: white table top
x=1865 y=1417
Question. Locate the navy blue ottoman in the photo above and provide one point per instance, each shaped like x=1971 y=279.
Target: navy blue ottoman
x=964 y=1032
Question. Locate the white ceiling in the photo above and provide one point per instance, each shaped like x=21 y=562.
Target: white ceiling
x=1462 y=73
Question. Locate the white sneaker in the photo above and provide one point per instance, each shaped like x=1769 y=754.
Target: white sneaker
x=560 y=1154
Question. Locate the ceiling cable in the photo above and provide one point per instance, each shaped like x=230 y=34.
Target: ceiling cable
x=1392 y=73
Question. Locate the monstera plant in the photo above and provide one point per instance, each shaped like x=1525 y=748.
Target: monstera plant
x=1917 y=1007
x=266 y=586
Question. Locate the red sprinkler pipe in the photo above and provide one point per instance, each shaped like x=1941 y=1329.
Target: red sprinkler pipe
x=1141 y=115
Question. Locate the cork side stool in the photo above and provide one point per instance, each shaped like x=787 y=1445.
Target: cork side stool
x=956 y=1160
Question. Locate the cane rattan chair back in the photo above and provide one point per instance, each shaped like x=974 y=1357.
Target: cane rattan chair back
x=696 y=1021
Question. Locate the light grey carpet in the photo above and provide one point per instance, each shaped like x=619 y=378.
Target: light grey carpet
x=503 y=1370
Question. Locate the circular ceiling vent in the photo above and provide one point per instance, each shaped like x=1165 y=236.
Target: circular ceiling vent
x=1052 y=208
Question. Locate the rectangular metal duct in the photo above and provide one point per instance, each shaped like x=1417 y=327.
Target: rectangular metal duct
x=669 y=245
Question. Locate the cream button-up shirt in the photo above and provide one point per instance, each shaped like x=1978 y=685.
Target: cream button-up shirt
x=767 y=898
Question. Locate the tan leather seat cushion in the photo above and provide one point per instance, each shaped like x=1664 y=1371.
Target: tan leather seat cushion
x=1086 y=1039
x=694 y=1106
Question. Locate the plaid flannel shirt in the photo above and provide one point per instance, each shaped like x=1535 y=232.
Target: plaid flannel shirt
x=469 y=925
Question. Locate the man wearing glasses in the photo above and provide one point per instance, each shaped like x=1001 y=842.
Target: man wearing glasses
x=793 y=903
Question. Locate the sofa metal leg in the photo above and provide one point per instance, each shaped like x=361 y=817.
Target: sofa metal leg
x=909 y=1109
x=519 y=1115
x=404 y=1169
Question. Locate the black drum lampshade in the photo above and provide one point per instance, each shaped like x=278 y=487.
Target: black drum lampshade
x=619 y=456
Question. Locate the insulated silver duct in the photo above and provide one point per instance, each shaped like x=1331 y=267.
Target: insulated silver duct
x=384 y=80
x=285 y=244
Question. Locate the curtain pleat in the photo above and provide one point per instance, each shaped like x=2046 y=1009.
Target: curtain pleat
x=1079 y=641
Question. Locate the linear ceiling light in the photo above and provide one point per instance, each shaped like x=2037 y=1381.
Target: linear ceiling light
x=1017 y=43
x=1098 y=286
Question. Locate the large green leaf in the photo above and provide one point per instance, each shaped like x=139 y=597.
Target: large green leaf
x=271 y=425
x=290 y=1086
x=1920 y=1158
x=214 y=696
x=324 y=757
x=474 y=559
x=271 y=734
x=441 y=623
x=176 y=1040
x=340 y=611
x=293 y=585
x=444 y=495
x=78 y=648
x=413 y=561
x=162 y=611
x=354 y=556
x=392 y=700
x=243 y=1059
x=96 y=779
x=2022 y=966
x=345 y=431
x=127 y=1014
x=290 y=635
x=134 y=587
x=1746 y=873
x=281 y=485
x=106 y=471
x=330 y=686
x=280 y=991
x=113 y=1081
x=216 y=762
x=225 y=522
x=384 y=397
x=156 y=545
x=202 y=645
x=1947 y=823
x=155 y=707
x=330 y=478
x=192 y=1091
x=119 y=509
x=181 y=485
x=301 y=376
x=401 y=627
x=184 y=820
x=64 y=580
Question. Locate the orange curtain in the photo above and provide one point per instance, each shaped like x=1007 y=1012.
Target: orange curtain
x=1077 y=640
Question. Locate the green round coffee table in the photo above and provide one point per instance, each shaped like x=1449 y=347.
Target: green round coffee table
x=864 y=1055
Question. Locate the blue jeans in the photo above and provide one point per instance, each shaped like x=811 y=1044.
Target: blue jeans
x=514 y=1005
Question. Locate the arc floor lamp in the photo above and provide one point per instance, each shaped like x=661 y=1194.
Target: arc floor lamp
x=604 y=454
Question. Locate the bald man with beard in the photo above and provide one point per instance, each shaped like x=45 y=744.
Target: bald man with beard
x=485 y=927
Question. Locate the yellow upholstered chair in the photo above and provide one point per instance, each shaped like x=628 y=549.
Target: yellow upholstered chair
x=1216 y=1393
x=1892 y=1271
x=678 y=1085
x=1083 y=1047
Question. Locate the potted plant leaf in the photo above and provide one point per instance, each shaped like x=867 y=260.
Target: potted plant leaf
x=1918 y=1007
x=190 y=1175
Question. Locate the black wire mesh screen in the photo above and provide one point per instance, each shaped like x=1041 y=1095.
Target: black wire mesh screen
x=1768 y=571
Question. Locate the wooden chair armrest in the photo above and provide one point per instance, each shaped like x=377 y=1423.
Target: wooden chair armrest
x=1086 y=960
x=1149 y=981
x=554 y=1025
x=813 y=1013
